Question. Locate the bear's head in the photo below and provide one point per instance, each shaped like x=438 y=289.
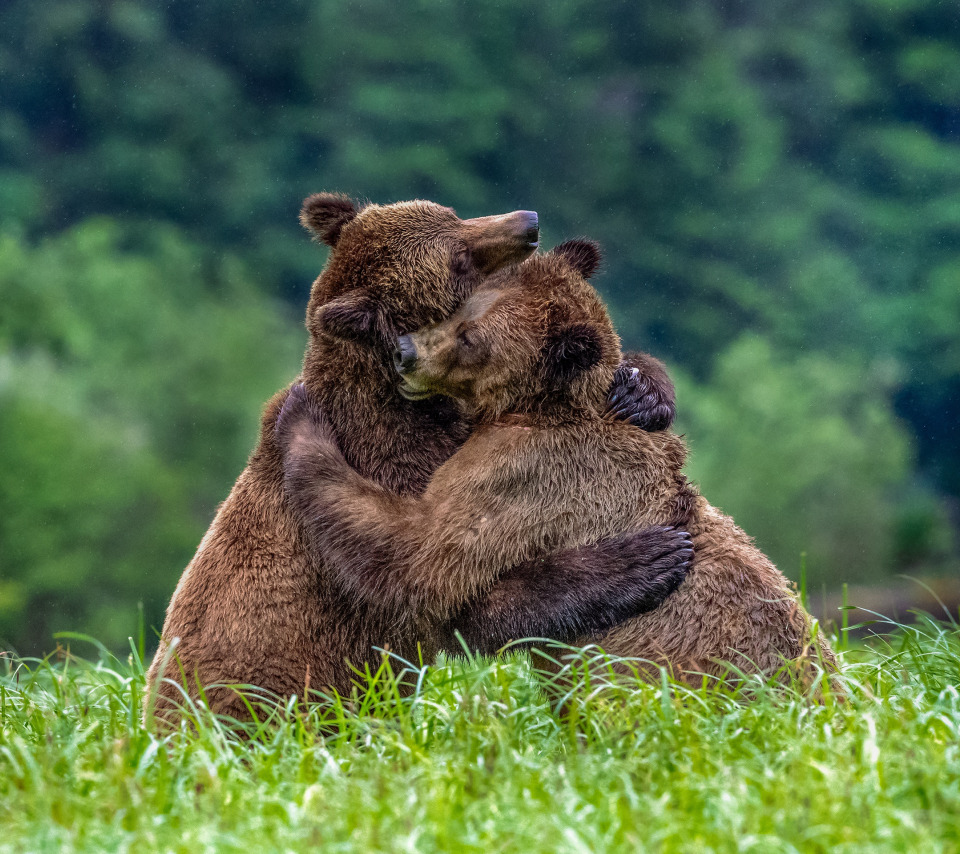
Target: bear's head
x=534 y=339
x=395 y=268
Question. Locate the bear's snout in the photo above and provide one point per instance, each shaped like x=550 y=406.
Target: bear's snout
x=532 y=233
x=498 y=241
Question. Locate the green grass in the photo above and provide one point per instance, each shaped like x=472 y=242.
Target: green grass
x=476 y=760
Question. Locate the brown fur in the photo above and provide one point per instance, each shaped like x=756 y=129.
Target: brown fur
x=254 y=606
x=530 y=354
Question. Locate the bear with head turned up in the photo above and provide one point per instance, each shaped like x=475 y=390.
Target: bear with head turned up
x=256 y=607
x=529 y=356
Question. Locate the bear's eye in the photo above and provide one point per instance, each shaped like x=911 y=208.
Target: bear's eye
x=464 y=339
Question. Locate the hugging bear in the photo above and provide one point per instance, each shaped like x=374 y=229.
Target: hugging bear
x=529 y=355
x=256 y=606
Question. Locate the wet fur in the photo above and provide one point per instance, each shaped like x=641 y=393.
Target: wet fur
x=545 y=469
x=255 y=606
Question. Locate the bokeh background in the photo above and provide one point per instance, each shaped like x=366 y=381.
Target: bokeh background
x=776 y=185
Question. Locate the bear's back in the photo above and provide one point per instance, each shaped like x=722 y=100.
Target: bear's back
x=574 y=483
x=592 y=479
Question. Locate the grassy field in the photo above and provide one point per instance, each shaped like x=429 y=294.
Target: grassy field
x=476 y=760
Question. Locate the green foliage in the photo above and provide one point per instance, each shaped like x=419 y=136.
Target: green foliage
x=786 y=171
x=130 y=381
x=806 y=455
x=157 y=332
x=475 y=760
x=90 y=522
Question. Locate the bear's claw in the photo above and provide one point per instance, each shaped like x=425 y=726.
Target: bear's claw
x=656 y=561
x=640 y=400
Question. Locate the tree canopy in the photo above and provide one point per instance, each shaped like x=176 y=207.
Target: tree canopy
x=777 y=188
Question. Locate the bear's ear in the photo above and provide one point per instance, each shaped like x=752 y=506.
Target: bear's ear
x=571 y=350
x=583 y=255
x=325 y=214
x=354 y=316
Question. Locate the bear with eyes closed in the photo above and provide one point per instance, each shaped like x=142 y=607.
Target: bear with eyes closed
x=258 y=606
x=529 y=356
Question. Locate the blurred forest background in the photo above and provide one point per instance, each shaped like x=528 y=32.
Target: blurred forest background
x=776 y=185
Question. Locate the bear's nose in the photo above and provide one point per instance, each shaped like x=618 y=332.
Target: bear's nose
x=405 y=354
x=532 y=223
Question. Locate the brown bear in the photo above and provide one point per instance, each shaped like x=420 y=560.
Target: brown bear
x=255 y=607
x=530 y=354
